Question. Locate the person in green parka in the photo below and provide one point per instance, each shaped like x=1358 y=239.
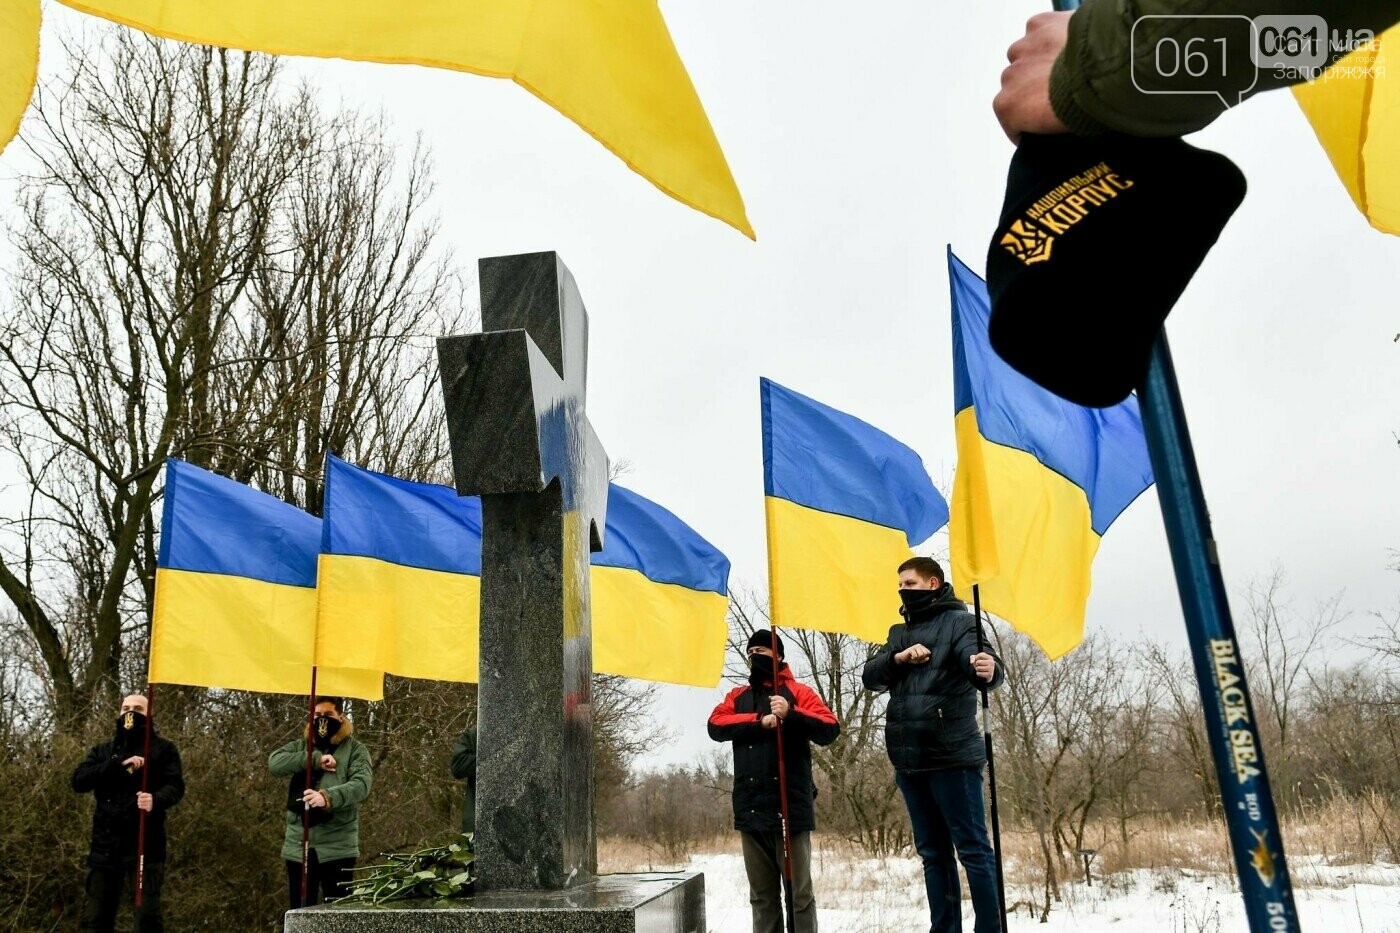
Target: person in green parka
x=341 y=777
x=463 y=765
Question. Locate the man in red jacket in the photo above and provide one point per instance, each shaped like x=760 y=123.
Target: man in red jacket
x=751 y=717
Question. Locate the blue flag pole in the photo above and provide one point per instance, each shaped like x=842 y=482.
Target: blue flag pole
x=1231 y=727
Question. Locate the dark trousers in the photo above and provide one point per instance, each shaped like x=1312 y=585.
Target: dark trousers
x=946 y=811
x=104 y=889
x=329 y=879
x=763 y=863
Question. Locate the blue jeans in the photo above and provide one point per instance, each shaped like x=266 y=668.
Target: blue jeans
x=946 y=811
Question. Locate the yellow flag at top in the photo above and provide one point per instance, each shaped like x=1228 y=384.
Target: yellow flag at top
x=608 y=65
x=1354 y=107
x=19 y=62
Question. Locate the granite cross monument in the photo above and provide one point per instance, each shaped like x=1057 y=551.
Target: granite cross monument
x=521 y=440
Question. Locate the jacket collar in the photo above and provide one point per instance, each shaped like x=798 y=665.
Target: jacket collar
x=347 y=728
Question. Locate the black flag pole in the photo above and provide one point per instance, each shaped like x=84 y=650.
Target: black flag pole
x=145 y=786
x=306 y=809
x=991 y=761
x=789 y=912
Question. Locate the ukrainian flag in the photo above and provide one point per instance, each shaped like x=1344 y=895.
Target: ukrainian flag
x=608 y=65
x=19 y=62
x=1354 y=109
x=660 y=597
x=400 y=576
x=845 y=502
x=401 y=584
x=1039 y=480
x=235 y=599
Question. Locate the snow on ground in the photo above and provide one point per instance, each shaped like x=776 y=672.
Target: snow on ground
x=878 y=895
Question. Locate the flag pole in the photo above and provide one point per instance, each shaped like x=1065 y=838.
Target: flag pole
x=782 y=761
x=1246 y=796
x=306 y=810
x=782 y=781
x=145 y=783
x=991 y=762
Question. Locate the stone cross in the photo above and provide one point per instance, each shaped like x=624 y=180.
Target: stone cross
x=521 y=440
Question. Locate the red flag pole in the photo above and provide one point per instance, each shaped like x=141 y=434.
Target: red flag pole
x=305 y=810
x=145 y=783
x=782 y=778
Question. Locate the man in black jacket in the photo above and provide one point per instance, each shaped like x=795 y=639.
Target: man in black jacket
x=750 y=717
x=933 y=666
x=112 y=773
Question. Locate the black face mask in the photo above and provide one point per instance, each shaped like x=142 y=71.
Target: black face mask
x=760 y=670
x=323 y=731
x=131 y=729
x=917 y=602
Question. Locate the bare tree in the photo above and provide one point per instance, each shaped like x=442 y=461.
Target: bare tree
x=208 y=268
x=1284 y=647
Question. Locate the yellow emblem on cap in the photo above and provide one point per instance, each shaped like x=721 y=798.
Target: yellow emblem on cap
x=1027 y=242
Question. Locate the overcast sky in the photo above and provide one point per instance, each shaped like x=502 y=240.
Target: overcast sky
x=863 y=141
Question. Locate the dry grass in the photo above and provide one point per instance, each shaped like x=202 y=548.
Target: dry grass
x=1360 y=831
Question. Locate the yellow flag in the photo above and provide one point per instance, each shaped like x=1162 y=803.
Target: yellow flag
x=1354 y=107
x=19 y=62
x=608 y=65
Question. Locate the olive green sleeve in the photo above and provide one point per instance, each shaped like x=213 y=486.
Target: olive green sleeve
x=1091 y=84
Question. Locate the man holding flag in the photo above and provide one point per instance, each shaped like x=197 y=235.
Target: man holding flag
x=751 y=717
x=341 y=777
x=933 y=665
x=113 y=772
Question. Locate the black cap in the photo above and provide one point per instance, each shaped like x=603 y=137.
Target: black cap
x=763 y=638
x=1098 y=238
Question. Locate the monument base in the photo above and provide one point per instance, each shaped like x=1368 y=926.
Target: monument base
x=640 y=903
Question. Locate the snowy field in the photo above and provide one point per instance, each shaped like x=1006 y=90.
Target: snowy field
x=876 y=895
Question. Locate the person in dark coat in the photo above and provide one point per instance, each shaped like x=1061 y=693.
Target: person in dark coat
x=463 y=765
x=112 y=773
x=934 y=666
x=750 y=717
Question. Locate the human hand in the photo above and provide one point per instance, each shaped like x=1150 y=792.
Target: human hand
x=144 y=802
x=328 y=763
x=769 y=722
x=914 y=654
x=134 y=763
x=984 y=665
x=314 y=798
x=1023 y=103
x=779 y=705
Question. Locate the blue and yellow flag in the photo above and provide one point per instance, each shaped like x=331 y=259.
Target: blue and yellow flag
x=19 y=62
x=401 y=584
x=1038 y=482
x=660 y=597
x=1354 y=108
x=608 y=65
x=235 y=599
x=400 y=576
x=845 y=502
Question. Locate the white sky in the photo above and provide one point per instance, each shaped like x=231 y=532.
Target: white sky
x=863 y=140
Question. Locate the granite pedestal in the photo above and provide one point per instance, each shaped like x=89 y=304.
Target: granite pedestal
x=649 y=903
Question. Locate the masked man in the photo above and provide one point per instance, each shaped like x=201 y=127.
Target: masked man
x=112 y=772
x=341 y=776
x=933 y=666
x=751 y=717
